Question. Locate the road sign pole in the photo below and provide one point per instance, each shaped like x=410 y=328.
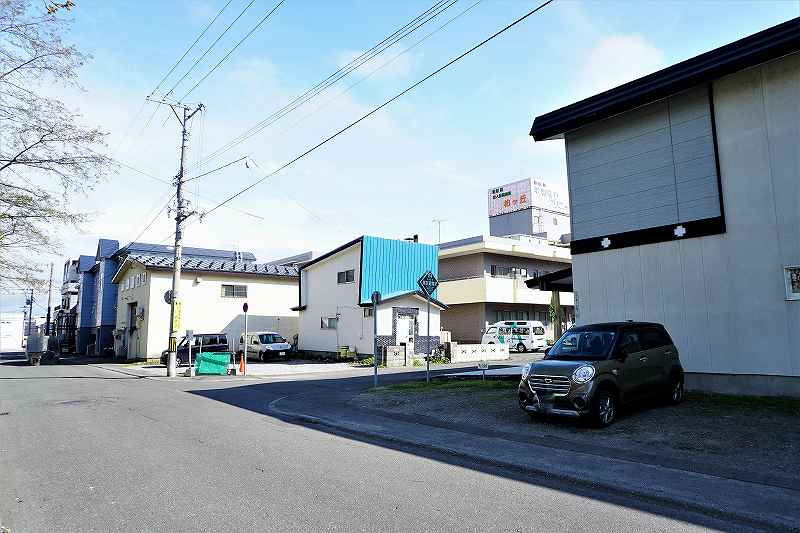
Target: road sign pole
x=376 y=299
x=244 y=354
x=430 y=352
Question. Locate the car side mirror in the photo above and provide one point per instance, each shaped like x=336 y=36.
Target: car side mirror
x=547 y=351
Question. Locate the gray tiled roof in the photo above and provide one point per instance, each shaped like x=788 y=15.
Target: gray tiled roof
x=215 y=265
x=145 y=248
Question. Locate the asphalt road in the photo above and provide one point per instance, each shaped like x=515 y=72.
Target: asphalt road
x=87 y=449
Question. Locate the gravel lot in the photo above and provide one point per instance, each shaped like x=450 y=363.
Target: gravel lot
x=758 y=435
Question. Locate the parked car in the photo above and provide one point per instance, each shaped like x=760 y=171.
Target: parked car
x=202 y=342
x=592 y=370
x=264 y=345
x=520 y=335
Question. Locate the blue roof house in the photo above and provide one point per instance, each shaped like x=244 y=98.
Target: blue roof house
x=335 y=292
x=84 y=320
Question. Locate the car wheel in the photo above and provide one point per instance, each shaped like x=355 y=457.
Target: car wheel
x=604 y=408
x=675 y=390
x=521 y=348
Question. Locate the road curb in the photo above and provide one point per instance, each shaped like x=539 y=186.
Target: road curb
x=652 y=496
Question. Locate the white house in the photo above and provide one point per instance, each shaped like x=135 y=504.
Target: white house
x=684 y=194
x=335 y=297
x=212 y=294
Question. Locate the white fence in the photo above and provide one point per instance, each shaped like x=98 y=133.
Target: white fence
x=465 y=353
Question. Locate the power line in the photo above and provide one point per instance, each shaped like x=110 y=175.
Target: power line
x=166 y=182
x=139 y=236
x=216 y=169
x=190 y=47
x=378 y=108
x=209 y=49
x=399 y=34
x=382 y=66
x=243 y=39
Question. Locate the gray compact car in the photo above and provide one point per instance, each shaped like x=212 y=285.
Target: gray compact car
x=592 y=370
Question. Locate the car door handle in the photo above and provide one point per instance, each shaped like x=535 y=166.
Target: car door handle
x=643 y=358
x=669 y=352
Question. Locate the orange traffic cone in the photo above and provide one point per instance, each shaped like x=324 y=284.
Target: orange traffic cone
x=241 y=364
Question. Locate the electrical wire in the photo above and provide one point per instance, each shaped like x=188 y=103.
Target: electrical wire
x=399 y=34
x=243 y=39
x=214 y=170
x=139 y=236
x=381 y=67
x=208 y=49
x=378 y=108
x=190 y=47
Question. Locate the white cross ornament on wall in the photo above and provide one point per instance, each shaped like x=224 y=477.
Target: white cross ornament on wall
x=606 y=242
x=680 y=231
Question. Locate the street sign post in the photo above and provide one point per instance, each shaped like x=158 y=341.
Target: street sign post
x=189 y=342
x=428 y=283
x=243 y=362
x=483 y=366
x=376 y=299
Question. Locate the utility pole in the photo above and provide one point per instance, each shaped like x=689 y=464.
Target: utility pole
x=438 y=222
x=181 y=215
x=30 y=313
x=49 y=300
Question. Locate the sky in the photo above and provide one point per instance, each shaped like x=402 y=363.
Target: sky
x=432 y=154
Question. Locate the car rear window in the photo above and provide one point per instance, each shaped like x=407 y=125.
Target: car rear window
x=653 y=337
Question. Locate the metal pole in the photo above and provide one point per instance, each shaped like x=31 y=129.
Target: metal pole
x=30 y=314
x=430 y=351
x=375 y=345
x=244 y=360
x=49 y=298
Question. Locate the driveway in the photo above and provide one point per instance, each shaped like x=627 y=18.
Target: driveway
x=750 y=439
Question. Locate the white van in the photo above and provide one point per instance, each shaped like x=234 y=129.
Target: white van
x=264 y=345
x=520 y=335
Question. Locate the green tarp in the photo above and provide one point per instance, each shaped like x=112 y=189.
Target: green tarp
x=212 y=363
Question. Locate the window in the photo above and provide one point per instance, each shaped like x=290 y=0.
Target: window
x=523 y=331
x=502 y=271
x=538 y=330
x=654 y=338
x=347 y=276
x=328 y=323
x=368 y=312
x=234 y=291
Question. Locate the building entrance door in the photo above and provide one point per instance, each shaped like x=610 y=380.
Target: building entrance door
x=404 y=335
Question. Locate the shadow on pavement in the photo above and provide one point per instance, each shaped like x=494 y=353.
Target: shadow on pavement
x=335 y=392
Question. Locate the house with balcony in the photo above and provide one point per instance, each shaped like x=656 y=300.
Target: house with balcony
x=335 y=298
x=482 y=281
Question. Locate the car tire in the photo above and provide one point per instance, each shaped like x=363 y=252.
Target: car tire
x=521 y=348
x=605 y=407
x=675 y=391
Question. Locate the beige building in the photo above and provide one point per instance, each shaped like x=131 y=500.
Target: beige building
x=212 y=294
x=482 y=281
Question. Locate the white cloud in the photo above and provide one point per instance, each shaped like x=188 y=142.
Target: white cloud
x=202 y=10
x=618 y=59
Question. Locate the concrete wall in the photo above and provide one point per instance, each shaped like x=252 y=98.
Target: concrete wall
x=722 y=297
x=204 y=309
x=465 y=322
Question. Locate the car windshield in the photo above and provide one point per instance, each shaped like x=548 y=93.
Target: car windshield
x=591 y=344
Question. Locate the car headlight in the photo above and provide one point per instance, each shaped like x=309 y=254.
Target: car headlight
x=583 y=374
x=526 y=370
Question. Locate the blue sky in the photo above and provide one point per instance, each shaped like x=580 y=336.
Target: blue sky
x=432 y=154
